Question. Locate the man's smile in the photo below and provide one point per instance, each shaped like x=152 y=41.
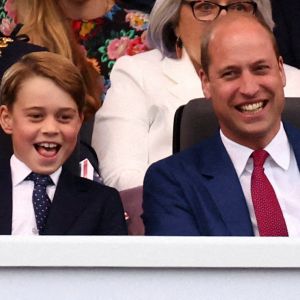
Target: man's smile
x=252 y=107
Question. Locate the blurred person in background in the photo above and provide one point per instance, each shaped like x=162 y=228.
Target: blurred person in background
x=286 y=15
x=106 y=30
x=45 y=25
x=143 y=5
x=134 y=126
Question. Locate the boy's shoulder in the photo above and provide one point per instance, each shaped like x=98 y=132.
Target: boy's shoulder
x=80 y=184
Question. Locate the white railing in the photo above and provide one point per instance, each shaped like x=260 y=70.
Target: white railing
x=149 y=268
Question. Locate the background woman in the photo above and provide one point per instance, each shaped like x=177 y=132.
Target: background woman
x=45 y=24
x=134 y=127
x=106 y=30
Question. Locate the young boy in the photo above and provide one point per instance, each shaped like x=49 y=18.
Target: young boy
x=42 y=99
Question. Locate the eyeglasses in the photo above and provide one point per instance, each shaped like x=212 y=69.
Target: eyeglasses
x=209 y=11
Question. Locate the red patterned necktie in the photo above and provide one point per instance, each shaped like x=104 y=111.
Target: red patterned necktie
x=270 y=220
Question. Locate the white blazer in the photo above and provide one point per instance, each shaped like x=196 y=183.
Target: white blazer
x=134 y=127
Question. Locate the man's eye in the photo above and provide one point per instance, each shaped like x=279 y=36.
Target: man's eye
x=262 y=69
x=229 y=74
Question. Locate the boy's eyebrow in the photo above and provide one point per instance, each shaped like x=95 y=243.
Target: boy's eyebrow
x=43 y=108
x=68 y=109
x=33 y=107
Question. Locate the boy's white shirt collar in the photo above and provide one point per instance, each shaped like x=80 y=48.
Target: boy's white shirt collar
x=19 y=171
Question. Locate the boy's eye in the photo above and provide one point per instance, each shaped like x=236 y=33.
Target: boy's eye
x=35 y=116
x=65 y=118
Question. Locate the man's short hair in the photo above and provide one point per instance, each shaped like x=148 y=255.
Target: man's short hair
x=207 y=35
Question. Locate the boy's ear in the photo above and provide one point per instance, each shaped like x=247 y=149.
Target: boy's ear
x=6 y=119
x=81 y=115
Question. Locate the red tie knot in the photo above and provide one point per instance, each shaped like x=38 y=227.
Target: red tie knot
x=259 y=157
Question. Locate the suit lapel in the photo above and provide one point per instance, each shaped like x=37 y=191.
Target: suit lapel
x=5 y=197
x=293 y=135
x=225 y=189
x=184 y=82
x=67 y=205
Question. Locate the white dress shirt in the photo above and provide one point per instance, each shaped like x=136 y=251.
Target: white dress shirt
x=282 y=171
x=23 y=217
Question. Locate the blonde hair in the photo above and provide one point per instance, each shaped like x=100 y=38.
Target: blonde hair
x=46 y=25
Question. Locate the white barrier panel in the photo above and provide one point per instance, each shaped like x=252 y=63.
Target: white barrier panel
x=149 y=268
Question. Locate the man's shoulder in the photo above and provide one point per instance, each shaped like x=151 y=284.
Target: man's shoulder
x=189 y=159
x=292 y=132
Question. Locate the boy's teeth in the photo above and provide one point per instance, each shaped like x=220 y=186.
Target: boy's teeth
x=47 y=145
x=252 y=107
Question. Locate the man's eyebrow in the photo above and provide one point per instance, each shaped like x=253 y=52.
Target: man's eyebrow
x=227 y=68
x=260 y=61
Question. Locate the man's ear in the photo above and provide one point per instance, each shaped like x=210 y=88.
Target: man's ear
x=281 y=70
x=6 y=119
x=205 y=84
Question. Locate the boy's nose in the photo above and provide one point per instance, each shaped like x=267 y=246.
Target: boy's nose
x=50 y=126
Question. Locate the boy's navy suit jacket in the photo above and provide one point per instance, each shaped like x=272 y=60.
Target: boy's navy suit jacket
x=79 y=207
x=197 y=192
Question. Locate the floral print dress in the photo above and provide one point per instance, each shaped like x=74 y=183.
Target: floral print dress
x=105 y=39
x=7 y=17
x=119 y=32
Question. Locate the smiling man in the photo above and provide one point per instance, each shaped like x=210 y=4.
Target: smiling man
x=244 y=80
x=244 y=181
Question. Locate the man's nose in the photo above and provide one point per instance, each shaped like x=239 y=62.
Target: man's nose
x=248 y=85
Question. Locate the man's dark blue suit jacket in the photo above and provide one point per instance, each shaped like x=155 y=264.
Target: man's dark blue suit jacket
x=197 y=192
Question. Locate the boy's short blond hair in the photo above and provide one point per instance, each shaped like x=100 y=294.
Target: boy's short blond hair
x=48 y=65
